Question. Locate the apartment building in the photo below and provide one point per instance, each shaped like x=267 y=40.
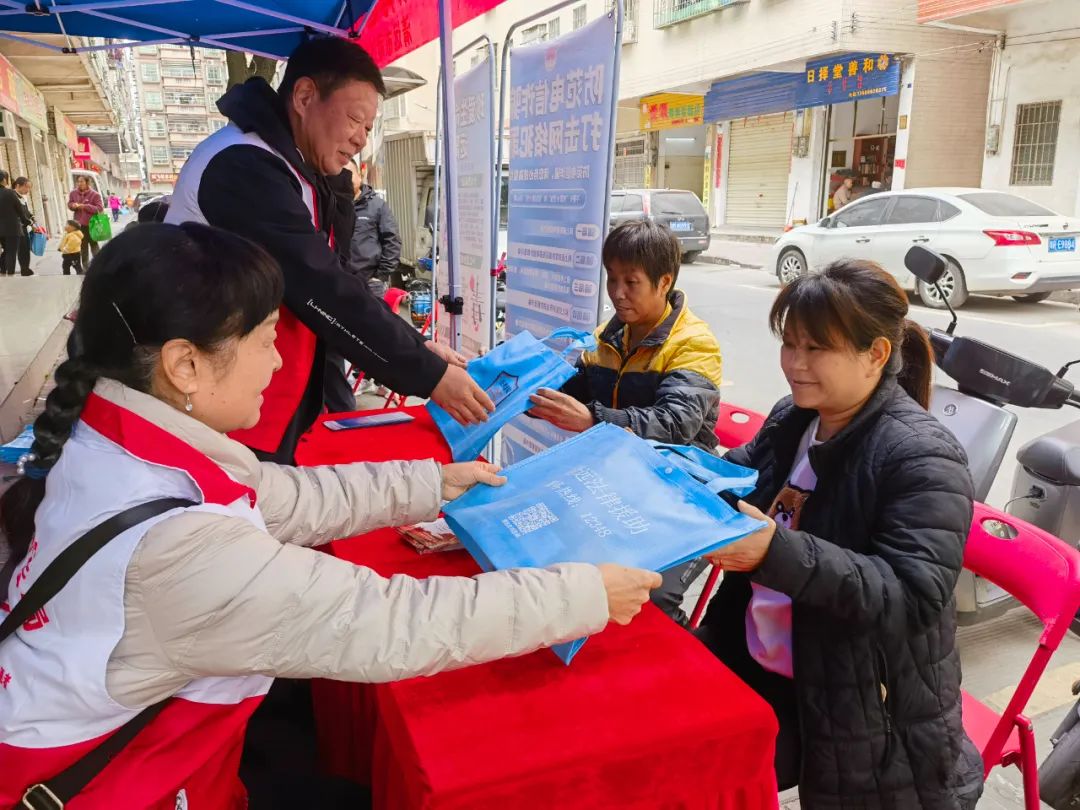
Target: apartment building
x=178 y=89
x=716 y=97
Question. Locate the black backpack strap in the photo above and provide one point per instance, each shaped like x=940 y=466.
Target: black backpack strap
x=52 y=795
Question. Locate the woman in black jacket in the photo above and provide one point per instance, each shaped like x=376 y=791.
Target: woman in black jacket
x=841 y=612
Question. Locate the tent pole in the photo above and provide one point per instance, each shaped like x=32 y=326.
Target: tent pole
x=450 y=170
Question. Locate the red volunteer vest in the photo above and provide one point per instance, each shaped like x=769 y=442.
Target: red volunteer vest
x=54 y=706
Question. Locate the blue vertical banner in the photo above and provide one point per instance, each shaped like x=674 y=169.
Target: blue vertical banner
x=561 y=137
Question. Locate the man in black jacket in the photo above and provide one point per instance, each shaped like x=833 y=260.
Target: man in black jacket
x=371 y=255
x=22 y=191
x=13 y=222
x=275 y=175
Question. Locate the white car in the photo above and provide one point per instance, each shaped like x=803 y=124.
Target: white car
x=995 y=243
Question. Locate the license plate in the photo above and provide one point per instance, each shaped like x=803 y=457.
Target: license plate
x=1065 y=244
x=681 y=226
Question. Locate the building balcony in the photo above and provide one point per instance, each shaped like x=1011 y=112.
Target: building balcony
x=673 y=12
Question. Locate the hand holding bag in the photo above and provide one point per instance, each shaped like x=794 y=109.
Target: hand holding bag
x=510 y=374
x=604 y=496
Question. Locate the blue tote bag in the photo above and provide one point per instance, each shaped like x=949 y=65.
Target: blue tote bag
x=510 y=374
x=604 y=496
x=38 y=241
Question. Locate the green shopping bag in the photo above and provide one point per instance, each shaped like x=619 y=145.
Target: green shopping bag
x=99 y=227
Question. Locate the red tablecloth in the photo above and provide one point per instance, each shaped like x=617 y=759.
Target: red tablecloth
x=645 y=717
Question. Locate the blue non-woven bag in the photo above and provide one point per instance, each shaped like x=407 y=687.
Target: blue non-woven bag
x=604 y=496
x=510 y=374
x=38 y=241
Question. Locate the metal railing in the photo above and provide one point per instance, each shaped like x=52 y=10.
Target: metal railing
x=672 y=12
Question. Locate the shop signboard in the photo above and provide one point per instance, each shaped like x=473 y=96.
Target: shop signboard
x=32 y=105
x=162 y=177
x=668 y=110
x=561 y=144
x=20 y=96
x=474 y=153
x=849 y=77
x=65 y=130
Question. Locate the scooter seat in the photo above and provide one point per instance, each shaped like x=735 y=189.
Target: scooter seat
x=1054 y=456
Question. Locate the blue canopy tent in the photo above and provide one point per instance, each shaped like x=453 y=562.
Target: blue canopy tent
x=387 y=29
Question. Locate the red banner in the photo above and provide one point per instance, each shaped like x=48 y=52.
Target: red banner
x=401 y=26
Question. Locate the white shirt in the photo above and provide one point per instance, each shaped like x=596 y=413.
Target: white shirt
x=768 y=617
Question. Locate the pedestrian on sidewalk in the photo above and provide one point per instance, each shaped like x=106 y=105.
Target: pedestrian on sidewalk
x=114 y=206
x=13 y=221
x=85 y=202
x=22 y=190
x=71 y=248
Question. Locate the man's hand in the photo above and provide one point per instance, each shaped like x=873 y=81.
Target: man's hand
x=627 y=590
x=457 y=479
x=459 y=395
x=562 y=410
x=747 y=554
x=446 y=353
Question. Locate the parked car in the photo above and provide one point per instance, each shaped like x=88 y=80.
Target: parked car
x=995 y=243
x=679 y=210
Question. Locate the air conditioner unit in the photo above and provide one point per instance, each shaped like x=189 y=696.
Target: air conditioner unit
x=8 y=132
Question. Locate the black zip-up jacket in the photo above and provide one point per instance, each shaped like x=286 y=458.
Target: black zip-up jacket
x=376 y=244
x=15 y=217
x=248 y=190
x=870 y=574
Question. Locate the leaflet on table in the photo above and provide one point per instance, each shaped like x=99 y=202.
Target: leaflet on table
x=560 y=136
x=604 y=496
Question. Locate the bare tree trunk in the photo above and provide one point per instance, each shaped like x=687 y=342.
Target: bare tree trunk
x=240 y=70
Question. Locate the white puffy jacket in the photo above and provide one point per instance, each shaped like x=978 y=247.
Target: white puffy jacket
x=211 y=595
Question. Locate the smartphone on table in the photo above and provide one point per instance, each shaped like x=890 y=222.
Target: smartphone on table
x=373 y=420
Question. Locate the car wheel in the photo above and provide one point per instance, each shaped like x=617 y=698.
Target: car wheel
x=691 y=256
x=1031 y=298
x=790 y=265
x=952 y=284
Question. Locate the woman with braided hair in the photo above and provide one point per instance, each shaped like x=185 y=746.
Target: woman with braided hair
x=169 y=634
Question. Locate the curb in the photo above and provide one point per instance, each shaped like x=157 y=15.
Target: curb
x=720 y=260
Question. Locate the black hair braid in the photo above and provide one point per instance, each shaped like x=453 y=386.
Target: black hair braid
x=75 y=379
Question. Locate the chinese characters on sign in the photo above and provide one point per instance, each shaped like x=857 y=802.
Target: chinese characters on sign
x=473 y=152
x=561 y=142
x=849 y=77
x=668 y=110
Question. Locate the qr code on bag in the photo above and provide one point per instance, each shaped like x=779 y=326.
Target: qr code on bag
x=529 y=520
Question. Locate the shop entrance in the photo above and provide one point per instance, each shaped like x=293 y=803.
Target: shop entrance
x=862 y=144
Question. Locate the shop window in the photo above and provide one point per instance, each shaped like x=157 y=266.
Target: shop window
x=1035 y=144
x=861 y=214
x=911 y=210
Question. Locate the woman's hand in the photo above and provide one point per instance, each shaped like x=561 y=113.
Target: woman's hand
x=746 y=554
x=457 y=479
x=562 y=410
x=627 y=590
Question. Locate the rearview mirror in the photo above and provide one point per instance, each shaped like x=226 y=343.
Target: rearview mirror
x=926 y=265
